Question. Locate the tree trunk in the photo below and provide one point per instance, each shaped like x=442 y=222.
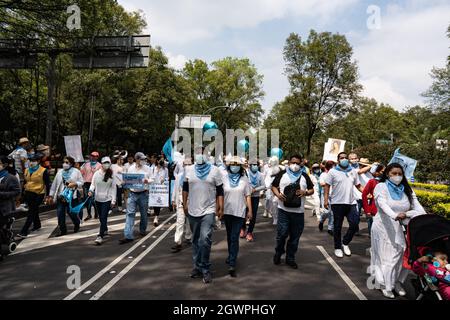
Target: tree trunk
x=51 y=83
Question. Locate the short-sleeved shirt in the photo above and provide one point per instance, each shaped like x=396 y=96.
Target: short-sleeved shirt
x=235 y=198
x=202 y=193
x=342 y=184
x=282 y=180
x=18 y=155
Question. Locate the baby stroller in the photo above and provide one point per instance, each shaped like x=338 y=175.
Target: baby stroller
x=426 y=232
x=7 y=243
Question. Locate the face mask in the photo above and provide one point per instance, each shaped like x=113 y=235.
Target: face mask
x=199 y=159
x=316 y=171
x=396 y=179
x=344 y=163
x=235 y=169
x=294 y=167
x=66 y=166
x=254 y=168
x=33 y=164
x=106 y=166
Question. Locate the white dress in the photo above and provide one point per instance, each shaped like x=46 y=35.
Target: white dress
x=388 y=240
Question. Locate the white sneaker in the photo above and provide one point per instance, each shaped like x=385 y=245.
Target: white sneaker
x=388 y=294
x=109 y=212
x=124 y=210
x=98 y=241
x=338 y=253
x=156 y=222
x=347 y=250
x=265 y=215
x=399 y=289
x=270 y=216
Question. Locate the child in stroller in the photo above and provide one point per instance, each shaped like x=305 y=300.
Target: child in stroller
x=434 y=268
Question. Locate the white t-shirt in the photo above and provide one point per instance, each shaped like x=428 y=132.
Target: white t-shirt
x=342 y=184
x=18 y=155
x=103 y=191
x=202 y=193
x=282 y=180
x=235 y=198
x=117 y=173
x=363 y=179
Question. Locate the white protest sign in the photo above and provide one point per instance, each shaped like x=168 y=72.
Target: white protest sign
x=332 y=148
x=73 y=148
x=159 y=195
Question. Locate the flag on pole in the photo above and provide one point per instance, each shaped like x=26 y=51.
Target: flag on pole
x=408 y=164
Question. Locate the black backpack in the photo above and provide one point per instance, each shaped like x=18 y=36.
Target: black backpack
x=292 y=200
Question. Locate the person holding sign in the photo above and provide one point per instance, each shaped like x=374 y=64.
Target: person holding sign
x=237 y=193
x=104 y=191
x=138 y=198
x=203 y=187
x=159 y=174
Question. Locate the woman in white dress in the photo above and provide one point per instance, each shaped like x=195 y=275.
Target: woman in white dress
x=397 y=204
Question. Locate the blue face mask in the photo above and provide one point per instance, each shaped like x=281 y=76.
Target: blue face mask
x=254 y=168
x=344 y=163
x=199 y=159
x=235 y=169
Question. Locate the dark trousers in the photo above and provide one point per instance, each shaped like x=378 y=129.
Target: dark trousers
x=119 y=196
x=61 y=210
x=289 y=225
x=33 y=200
x=360 y=205
x=340 y=211
x=233 y=226
x=103 y=209
x=90 y=202
x=157 y=211
x=255 y=204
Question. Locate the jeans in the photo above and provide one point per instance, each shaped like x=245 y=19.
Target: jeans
x=103 y=209
x=33 y=200
x=136 y=201
x=202 y=229
x=233 y=226
x=255 y=204
x=340 y=211
x=61 y=210
x=89 y=203
x=292 y=225
x=328 y=214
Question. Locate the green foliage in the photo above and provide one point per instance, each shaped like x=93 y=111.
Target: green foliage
x=430 y=198
x=433 y=187
x=442 y=209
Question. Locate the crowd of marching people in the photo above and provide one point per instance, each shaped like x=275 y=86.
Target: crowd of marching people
x=208 y=190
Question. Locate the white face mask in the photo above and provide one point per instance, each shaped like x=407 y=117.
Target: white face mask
x=294 y=167
x=396 y=179
x=33 y=164
x=199 y=159
x=66 y=166
x=106 y=166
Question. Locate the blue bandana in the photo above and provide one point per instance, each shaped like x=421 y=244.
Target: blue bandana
x=202 y=170
x=33 y=169
x=294 y=175
x=67 y=174
x=234 y=179
x=346 y=170
x=254 y=178
x=395 y=191
x=3 y=173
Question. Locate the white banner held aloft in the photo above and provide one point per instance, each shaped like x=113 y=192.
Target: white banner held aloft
x=159 y=195
x=73 y=148
x=332 y=148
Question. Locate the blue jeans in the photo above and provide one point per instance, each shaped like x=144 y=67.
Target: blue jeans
x=340 y=211
x=292 y=225
x=61 y=210
x=202 y=228
x=255 y=204
x=233 y=226
x=103 y=209
x=328 y=214
x=136 y=201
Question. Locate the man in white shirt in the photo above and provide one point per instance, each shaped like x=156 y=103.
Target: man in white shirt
x=203 y=187
x=137 y=198
x=342 y=178
x=291 y=217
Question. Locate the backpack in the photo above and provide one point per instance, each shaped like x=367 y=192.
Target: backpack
x=292 y=200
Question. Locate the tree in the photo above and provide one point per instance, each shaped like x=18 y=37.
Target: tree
x=322 y=76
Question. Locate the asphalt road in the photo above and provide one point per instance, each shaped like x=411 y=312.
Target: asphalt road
x=147 y=269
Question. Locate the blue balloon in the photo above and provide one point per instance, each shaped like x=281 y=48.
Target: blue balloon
x=210 y=125
x=277 y=152
x=243 y=146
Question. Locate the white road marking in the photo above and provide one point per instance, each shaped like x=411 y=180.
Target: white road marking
x=116 y=261
x=122 y=273
x=344 y=277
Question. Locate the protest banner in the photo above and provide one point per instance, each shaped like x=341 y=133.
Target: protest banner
x=332 y=149
x=159 y=195
x=133 y=181
x=408 y=164
x=73 y=147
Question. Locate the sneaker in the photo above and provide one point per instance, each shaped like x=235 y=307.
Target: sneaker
x=292 y=264
x=125 y=240
x=124 y=210
x=347 y=250
x=155 y=222
x=232 y=272
x=143 y=234
x=89 y=217
x=270 y=216
x=99 y=240
x=207 y=278
x=320 y=226
x=265 y=214
x=338 y=253
x=388 y=294
x=109 y=212
x=330 y=232
x=195 y=274
x=249 y=237
x=399 y=289
x=176 y=248
x=243 y=234
x=276 y=259
x=21 y=236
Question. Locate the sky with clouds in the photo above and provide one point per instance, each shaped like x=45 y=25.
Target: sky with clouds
x=395 y=53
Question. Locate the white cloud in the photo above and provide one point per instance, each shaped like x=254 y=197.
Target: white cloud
x=176 y=61
x=395 y=61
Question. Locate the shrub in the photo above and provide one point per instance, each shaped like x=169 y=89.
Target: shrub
x=431 y=198
x=434 y=187
x=442 y=209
